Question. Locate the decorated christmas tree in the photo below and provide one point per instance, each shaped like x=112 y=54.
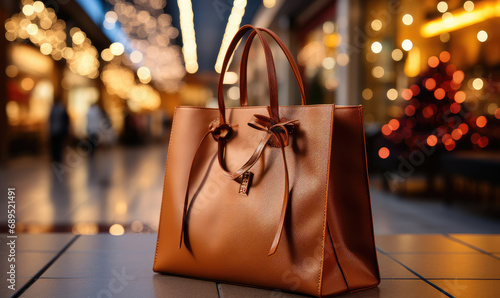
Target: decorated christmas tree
x=436 y=113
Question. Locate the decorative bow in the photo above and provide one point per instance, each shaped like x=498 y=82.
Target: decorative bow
x=279 y=131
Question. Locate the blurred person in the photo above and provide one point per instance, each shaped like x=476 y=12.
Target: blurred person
x=95 y=117
x=58 y=128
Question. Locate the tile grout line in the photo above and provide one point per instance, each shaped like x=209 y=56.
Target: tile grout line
x=219 y=290
x=416 y=273
x=471 y=246
x=44 y=268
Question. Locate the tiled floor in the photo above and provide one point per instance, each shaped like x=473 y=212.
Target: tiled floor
x=121 y=185
x=64 y=265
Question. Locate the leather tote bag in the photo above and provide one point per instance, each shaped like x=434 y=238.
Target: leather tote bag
x=271 y=196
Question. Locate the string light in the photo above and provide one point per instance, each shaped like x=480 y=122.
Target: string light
x=407 y=19
x=378 y=72
x=469 y=6
x=151 y=43
x=482 y=36
x=117 y=48
x=269 y=3
x=392 y=94
x=482 y=11
x=188 y=35
x=442 y=6
x=397 y=55
x=41 y=26
x=407 y=45
x=477 y=84
x=376 y=25
x=233 y=24
x=376 y=47
x=367 y=94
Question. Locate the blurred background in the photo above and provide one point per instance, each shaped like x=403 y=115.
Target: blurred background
x=88 y=89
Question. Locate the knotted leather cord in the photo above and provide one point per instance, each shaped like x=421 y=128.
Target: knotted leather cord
x=280 y=131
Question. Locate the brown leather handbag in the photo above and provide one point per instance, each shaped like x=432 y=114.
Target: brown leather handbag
x=272 y=197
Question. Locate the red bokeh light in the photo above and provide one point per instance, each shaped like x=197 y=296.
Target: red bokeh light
x=460 y=96
x=430 y=84
x=483 y=142
x=394 y=124
x=432 y=140
x=427 y=112
x=407 y=94
x=444 y=56
x=386 y=130
x=439 y=93
x=433 y=61
x=464 y=128
x=458 y=76
x=481 y=121
x=455 y=108
x=415 y=90
x=410 y=110
x=475 y=138
x=456 y=134
x=383 y=152
x=450 y=69
x=449 y=145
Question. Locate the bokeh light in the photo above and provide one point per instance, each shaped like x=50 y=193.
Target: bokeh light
x=481 y=121
x=383 y=152
x=432 y=140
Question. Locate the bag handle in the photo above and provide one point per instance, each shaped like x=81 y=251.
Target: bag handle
x=277 y=131
x=244 y=62
x=271 y=74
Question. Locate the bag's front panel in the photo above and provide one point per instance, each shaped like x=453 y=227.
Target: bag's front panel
x=229 y=234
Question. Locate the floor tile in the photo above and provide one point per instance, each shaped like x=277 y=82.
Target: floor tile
x=101 y=265
x=38 y=242
x=470 y=288
x=29 y=263
x=123 y=286
x=407 y=288
x=392 y=269
x=451 y=266
x=228 y=290
x=109 y=243
x=489 y=243
x=411 y=243
x=388 y=288
x=6 y=292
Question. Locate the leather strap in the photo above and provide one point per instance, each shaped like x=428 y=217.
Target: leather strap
x=186 y=197
x=271 y=73
x=244 y=62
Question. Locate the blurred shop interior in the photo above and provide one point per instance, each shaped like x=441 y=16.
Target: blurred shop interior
x=426 y=72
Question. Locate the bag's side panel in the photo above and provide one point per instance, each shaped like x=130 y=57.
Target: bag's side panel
x=230 y=235
x=349 y=208
x=333 y=281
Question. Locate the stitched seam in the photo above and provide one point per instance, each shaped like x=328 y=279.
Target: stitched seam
x=163 y=192
x=360 y=111
x=325 y=206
